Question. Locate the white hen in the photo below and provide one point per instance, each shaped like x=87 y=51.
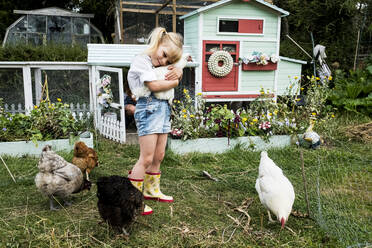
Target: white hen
x=275 y=191
x=160 y=73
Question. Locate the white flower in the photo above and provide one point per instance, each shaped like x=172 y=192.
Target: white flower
x=274 y=58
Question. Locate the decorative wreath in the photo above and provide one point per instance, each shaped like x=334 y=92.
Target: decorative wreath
x=213 y=63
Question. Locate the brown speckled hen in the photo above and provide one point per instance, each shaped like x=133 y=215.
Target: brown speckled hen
x=85 y=158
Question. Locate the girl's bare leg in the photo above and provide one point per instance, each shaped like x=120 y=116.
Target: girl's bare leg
x=159 y=153
x=148 y=144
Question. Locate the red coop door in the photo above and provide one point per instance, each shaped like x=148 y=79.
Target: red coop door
x=230 y=81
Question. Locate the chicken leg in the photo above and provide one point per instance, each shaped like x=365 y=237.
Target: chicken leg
x=51 y=204
x=67 y=202
x=270 y=219
x=87 y=174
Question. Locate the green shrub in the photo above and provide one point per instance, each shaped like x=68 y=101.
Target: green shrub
x=52 y=52
x=353 y=90
x=46 y=121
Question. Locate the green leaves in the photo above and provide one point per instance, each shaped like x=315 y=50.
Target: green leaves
x=352 y=90
x=43 y=53
x=46 y=121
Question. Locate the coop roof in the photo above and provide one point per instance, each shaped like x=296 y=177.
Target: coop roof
x=121 y=54
x=223 y=2
x=293 y=60
x=52 y=11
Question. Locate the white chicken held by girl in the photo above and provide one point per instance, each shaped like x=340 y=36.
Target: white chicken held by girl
x=275 y=191
x=160 y=73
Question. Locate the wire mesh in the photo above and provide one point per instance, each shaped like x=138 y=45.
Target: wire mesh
x=340 y=197
x=72 y=86
x=11 y=86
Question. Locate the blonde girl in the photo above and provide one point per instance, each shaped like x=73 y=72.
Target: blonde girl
x=153 y=115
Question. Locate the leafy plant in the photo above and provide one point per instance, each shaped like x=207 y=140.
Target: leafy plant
x=353 y=90
x=45 y=122
x=264 y=117
x=187 y=117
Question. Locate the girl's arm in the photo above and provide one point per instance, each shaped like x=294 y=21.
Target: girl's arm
x=161 y=85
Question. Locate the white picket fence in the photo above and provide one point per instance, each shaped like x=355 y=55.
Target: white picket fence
x=79 y=111
x=112 y=129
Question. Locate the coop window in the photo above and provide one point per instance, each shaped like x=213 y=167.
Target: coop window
x=229 y=26
x=240 y=26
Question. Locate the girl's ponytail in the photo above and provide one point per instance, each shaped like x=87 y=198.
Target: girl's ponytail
x=155 y=39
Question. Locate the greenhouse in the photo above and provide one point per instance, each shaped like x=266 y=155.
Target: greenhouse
x=52 y=25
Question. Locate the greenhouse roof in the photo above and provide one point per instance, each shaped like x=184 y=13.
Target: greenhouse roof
x=52 y=11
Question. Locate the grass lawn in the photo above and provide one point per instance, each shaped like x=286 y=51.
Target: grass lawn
x=205 y=213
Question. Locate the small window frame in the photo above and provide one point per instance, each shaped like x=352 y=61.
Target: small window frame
x=227 y=18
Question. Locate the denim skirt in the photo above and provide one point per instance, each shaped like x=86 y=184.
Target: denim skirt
x=152 y=116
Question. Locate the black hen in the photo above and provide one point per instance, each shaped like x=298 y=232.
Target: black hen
x=119 y=202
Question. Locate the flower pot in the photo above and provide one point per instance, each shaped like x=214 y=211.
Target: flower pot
x=20 y=148
x=254 y=67
x=220 y=145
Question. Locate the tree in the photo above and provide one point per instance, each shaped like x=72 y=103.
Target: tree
x=104 y=14
x=334 y=24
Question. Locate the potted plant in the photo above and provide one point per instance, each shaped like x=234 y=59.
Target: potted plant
x=259 y=62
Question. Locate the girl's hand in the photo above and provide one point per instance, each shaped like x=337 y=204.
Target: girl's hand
x=174 y=73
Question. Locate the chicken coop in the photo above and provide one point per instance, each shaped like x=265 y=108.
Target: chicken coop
x=234 y=45
x=52 y=25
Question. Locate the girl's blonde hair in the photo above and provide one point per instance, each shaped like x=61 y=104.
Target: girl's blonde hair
x=159 y=36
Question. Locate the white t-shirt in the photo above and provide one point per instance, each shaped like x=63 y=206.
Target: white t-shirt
x=141 y=70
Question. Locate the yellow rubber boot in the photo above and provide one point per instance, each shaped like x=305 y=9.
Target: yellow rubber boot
x=152 y=188
x=138 y=183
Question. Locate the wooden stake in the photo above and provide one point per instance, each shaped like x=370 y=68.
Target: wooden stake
x=7 y=169
x=356 y=51
x=121 y=24
x=174 y=16
x=305 y=184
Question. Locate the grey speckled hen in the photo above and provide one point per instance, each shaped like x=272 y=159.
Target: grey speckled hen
x=58 y=178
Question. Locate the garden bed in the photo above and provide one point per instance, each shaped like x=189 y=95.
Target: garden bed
x=20 y=148
x=220 y=145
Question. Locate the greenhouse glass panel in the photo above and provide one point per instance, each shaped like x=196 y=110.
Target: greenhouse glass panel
x=59 y=29
x=36 y=39
x=21 y=26
x=81 y=26
x=36 y=23
x=95 y=39
x=17 y=37
x=81 y=40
